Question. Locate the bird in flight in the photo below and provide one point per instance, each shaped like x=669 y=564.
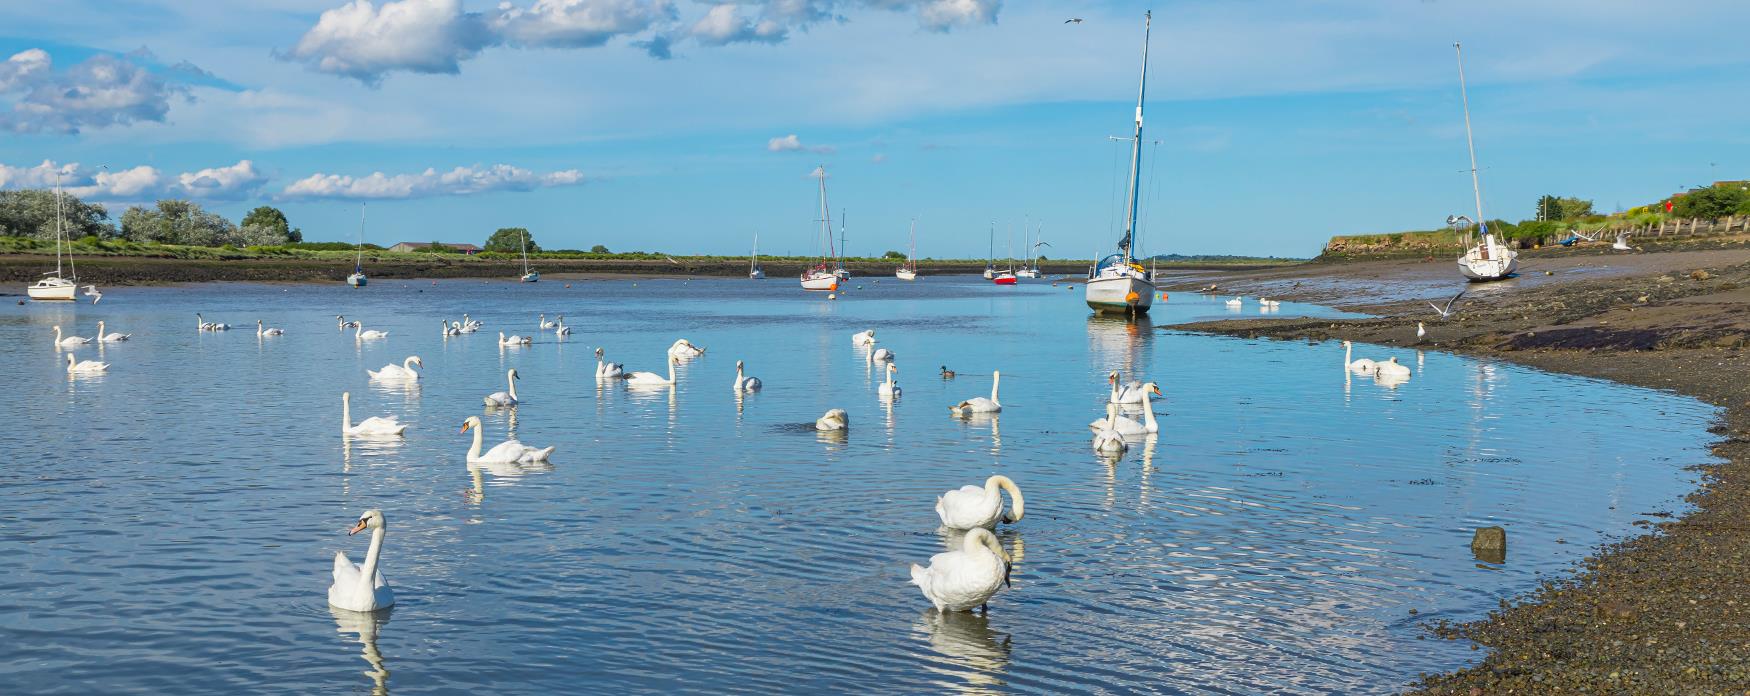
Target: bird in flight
x=1073 y=20
x=1447 y=312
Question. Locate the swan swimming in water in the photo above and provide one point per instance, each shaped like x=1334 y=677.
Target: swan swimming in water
x=210 y=325
x=882 y=355
x=964 y=579
x=1108 y=440
x=452 y=328
x=979 y=404
x=1390 y=370
x=865 y=337
x=562 y=329
x=834 y=420
x=362 y=587
x=69 y=341
x=507 y=451
x=110 y=337
x=1236 y=303
x=653 y=379
x=970 y=507
x=550 y=324
x=375 y=426
x=514 y=340
x=604 y=368
x=341 y=324
x=1128 y=426
x=746 y=384
x=262 y=329
x=887 y=389
x=359 y=333
x=84 y=366
x=507 y=397
x=398 y=372
x=1363 y=366
x=1126 y=393
x=685 y=349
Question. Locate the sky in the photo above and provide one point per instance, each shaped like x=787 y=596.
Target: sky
x=690 y=126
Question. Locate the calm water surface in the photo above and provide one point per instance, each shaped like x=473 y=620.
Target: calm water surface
x=169 y=526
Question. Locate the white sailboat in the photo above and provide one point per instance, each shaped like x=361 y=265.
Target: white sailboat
x=529 y=276
x=53 y=286
x=1117 y=283
x=1030 y=266
x=823 y=277
x=844 y=248
x=358 y=278
x=1489 y=259
x=990 y=262
x=909 y=270
x=754 y=272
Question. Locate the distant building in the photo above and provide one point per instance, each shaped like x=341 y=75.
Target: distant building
x=410 y=246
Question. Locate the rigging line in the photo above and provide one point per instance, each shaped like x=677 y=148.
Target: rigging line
x=1112 y=200
x=1154 y=187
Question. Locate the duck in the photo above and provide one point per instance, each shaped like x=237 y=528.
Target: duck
x=685 y=349
x=514 y=340
x=1108 y=440
x=69 y=341
x=361 y=587
x=973 y=507
x=605 y=369
x=398 y=372
x=375 y=426
x=507 y=451
x=1128 y=426
x=1363 y=366
x=75 y=366
x=834 y=420
x=262 y=329
x=359 y=333
x=745 y=384
x=652 y=378
x=865 y=337
x=979 y=404
x=110 y=337
x=966 y=578
x=887 y=389
x=947 y=373
x=507 y=397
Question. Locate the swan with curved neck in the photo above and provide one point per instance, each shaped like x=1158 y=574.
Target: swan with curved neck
x=964 y=579
x=110 y=337
x=375 y=426
x=865 y=337
x=834 y=420
x=889 y=390
x=882 y=355
x=605 y=369
x=514 y=340
x=979 y=404
x=972 y=507
x=451 y=328
x=210 y=325
x=1390 y=370
x=75 y=366
x=361 y=587
x=684 y=348
x=507 y=451
x=507 y=397
x=69 y=340
x=743 y=383
x=361 y=334
x=1125 y=392
x=1108 y=440
x=653 y=379
x=1360 y=367
x=341 y=324
x=398 y=372
x=1129 y=426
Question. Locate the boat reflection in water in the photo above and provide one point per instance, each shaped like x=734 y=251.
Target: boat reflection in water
x=364 y=626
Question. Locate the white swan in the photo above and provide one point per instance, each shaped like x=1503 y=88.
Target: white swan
x=469 y=325
x=746 y=384
x=550 y=324
x=262 y=329
x=882 y=355
x=508 y=397
x=651 y=378
x=359 y=333
x=514 y=340
x=69 y=341
x=398 y=372
x=1269 y=304
x=605 y=369
x=1363 y=366
x=362 y=587
x=685 y=349
x=507 y=451
x=1108 y=440
x=1126 y=393
x=210 y=325
x=865 y=337
x=1236 y=303
x=375 y=426
x=972 y=507
x=1128 y=426
x=452 y=328
x=979 y=404
x=84 y=366
x=110 y=337
x=835 y=419
x=341 y=324
x=562 y=329
x=1390 y=370
x=964 y=579
x=887 y=389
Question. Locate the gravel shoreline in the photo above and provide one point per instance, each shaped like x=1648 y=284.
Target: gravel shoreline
x=1664 y=612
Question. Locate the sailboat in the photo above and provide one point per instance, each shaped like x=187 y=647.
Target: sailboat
x=1029 y=269
x=1489 y=259
x=1007 y=275
x=54 y=286
x=990 y=262
x=529 y=276
x=823 y=277
x=1117 y=283
x=754 y=272
x=909 y=270
x=842 y=272
x=358 y=278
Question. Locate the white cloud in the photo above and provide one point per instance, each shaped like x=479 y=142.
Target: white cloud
x=793 y=143
x=363 y=41
x=941 y=15
x=460 y=181
x=723 y=25
x=577 y=23
x=142 y=182
x=237 y=181
x=22 y=68
x=101 y=91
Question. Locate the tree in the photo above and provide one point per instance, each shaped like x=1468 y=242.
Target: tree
x=176 y=221
x=893 y=255
x=1554 y=208
x=435 y=248
x=274 y=223
x=31 y=213
x=510 y=239
x=1711 y=202
x=599 y=249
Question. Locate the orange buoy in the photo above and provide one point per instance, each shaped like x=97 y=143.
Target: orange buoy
x=1132 y=297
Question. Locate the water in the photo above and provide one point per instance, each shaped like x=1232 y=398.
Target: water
x=169 y=526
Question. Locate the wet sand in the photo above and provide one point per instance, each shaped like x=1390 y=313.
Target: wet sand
x=1666 y=612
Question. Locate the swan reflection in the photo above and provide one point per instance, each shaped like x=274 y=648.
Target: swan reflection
x=363 y=626
x=990 y=420
x=970 y=649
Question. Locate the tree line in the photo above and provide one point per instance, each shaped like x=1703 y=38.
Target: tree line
x=31 y=213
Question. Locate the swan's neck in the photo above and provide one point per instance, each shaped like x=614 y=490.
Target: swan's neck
x=1148 y=410
x=407 y=365
x=512 y=382
x=345 y=414
x=1347 y=352
x=359 y=329
x=994 y=484
x=671 y=371
x=994 y=381
x=738 y=378
x=890 y=380
x=369 y=576
x=479 y=438
x=983 y=538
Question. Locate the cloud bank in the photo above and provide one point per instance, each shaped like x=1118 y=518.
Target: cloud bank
x=461 y=181
x=234 y=182
x=100 y=92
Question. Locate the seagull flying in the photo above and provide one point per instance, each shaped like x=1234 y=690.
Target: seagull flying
x=1447 y=311
x=1073 y=20
x=1622 y=241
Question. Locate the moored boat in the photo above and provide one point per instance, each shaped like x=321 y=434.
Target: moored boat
x=1117 y=283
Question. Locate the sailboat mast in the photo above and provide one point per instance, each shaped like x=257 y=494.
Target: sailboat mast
x=826 y=215
x=58 y=218
x=1476 y=186
x=1136 y=145
x=360 y=261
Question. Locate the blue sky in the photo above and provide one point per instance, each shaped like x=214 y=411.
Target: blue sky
x=666 y=124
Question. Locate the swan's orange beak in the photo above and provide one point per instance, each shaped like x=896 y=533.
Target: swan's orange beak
x=356 y=528
x=1157 y=391
x=466 y=425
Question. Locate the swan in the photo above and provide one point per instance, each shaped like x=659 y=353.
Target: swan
x=550 y=324
x=685 y=349
x=1128 y=393
x=262 y=329
x=375 y=426
x=863 y=338
x=507 y=451
x=394 y=372
x=1269 y=304
x=1235 y=303
x=653 y=379
x=973 y=507
x=979 y=404
x=469 y=325
x=505 y=398
x=210 y=325
x=362 y=587
x=889 y=390
x=361 y=334
x=562 y=329
x=882 y=355
x=963 y=579
x=604 y=368
x=84 y=366
x=835 y=419
x=451 y=328
x=1129 y=426
x=110 y=337
x=1108 y=440
x=70 y=340
x=514 y=340
x=1363 y=366
x=342 y=324
x=1391 y=370
x=745 y=384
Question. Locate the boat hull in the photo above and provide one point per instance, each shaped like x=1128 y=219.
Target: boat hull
x=1120 y=295
x=823 y=282
x=52 y=290
x=904 y=274
x=1004 y=279
x=756 y=274
x=531 y=277
x=1027 y=273
x=1500 y=265
x=357 y=280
